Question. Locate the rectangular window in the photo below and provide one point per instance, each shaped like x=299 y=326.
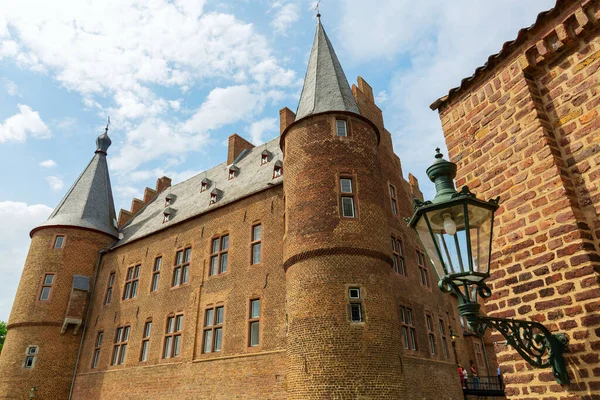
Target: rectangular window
x=120 y=346
x=277 y=172
x=30 y=354
x=431 y=333
x=354 y=293
x=173 y=336
x=393 y=199
x=97 y=346
x=109 y=288
x=181 y=271
x=155 y=274
x=398 y=256
x=131 y=283
x=408 y=328
x=213 y=330
x=146 y=341
x=423 y=273
x=59 y=240
x=219 y=255
x=341 y=127
x=347 y=197
x=254 y=323
x=256 y=243
x=264 y=159
x=444 y=340
x=356 y=314
x=47 y=286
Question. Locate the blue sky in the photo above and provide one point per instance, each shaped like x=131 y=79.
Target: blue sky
x=178 y=77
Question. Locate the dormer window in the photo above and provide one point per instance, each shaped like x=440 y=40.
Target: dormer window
x=233 y=172
x=277 y=169
x=204 y=185
x=265 y=157
x=168 y=214
x=341 y=127
x=215 y=195
x=169 y=199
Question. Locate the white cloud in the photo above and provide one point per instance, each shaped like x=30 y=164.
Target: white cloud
x=259 y=128
x=66 y=123
x=285 y=16
x=11 y=88
x=381 y=97
x=48 y=164
x=14 y=244
x=55 y=183
x=19 y=126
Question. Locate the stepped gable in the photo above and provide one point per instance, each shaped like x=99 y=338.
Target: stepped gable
x=325 y=85
x=191 y=202
x=89 y=202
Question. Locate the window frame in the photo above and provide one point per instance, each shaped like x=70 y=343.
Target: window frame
x=112 y=277
x=62 y=244
x=355 y=303
x=346 y=127
x=172 y=335
x=277 y=171
x=31 y=355
x=256 y=242
x=408 y=329
x=180 y=267
x=97 y=348
x=264 y=159
x=212 y=328
x=155 y=279
x=443 y=337
x=393 y=199
x=430 y=333
x=353 y=195
x=218 y=255
x=45 y=285
x=120 y=343
x=399 y=263
x=145 y=345
x=254 y=320
x=423 y=270
x=131 y=285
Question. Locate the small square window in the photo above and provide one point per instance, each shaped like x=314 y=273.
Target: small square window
x=354 y=293
x=341 y=127
x=59 y=241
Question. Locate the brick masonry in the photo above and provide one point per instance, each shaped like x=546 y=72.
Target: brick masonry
x=526 y=129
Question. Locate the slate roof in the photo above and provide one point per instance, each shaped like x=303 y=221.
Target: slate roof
x=325 y=85
x=190 y=201
x=89 y=202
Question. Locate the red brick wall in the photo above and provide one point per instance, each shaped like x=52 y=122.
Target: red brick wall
x=527 y=130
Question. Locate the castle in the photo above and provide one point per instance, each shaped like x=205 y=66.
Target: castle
x=285 y=272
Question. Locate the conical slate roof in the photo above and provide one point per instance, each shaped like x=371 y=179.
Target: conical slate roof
x=89 y=202
x=325 y=85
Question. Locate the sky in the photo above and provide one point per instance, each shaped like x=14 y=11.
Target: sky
x=177 y=77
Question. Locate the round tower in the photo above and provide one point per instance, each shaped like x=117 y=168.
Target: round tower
x=343 y=331
x=44 y=328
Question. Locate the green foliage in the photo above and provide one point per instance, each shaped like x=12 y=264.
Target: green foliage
x=2 y=334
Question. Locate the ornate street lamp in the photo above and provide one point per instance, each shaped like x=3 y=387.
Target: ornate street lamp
x=32 y=392
x=455 y=228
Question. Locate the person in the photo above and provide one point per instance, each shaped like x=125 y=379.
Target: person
x=461 y=374
x=500 y=381
x=474 y=374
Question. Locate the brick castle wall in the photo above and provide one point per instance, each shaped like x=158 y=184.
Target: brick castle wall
x=526 y=130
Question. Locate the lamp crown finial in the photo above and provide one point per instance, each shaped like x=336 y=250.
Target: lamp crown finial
x=438 y=153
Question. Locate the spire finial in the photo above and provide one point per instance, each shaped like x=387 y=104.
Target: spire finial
x=317 y=10
x=103 y=142
x=438 y=153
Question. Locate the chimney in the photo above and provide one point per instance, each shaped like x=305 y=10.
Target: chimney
x=236 y=145
x=162 y=184
x=286 y=117
x=365 y=88
x=149 y=195
x=136 y=205
x=124 y=217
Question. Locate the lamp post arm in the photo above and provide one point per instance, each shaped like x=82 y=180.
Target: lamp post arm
x=532 y=341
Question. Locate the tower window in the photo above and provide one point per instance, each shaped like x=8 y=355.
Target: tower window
x=120 y=346
x=393 y=200
x=347 y=197
x=156 y=274
x=213 y=329
x=181 y=271
x=408 y=328
x=341 y=127
x=219 y=255
x=255 y=244
x=254 y=323
x=423 y=273
x=146 y=341
x=444 y=340
x=174 y=327
x=59 y=241
x=131 y=284
x=97 y=346
x=356 y=314
x=354 y=293
x=398 y=255
x=355 y=305
x=30 y=354
x=47 y=287
x=431 y=333
x=109 y=288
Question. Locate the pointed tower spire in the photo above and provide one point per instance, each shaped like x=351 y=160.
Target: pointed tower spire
x=89 y=202
x=325 y=85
